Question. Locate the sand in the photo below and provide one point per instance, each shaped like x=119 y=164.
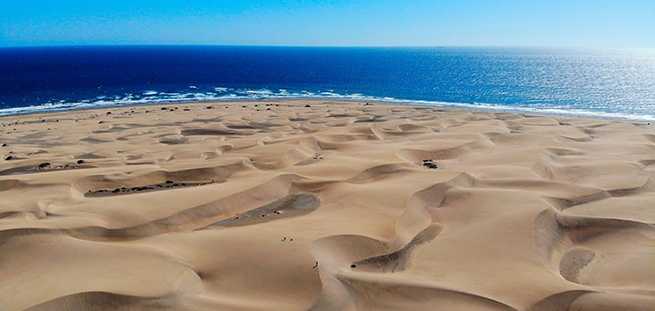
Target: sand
x=310 y=205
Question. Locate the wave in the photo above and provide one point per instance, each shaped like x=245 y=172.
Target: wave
x=234 y=94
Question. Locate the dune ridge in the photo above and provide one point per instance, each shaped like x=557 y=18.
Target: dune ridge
x=324 y=205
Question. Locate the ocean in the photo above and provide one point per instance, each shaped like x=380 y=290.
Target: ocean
x=606 y=83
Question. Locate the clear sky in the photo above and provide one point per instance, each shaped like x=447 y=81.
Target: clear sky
x=577 y=23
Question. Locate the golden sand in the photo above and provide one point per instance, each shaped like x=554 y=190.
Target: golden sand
x=324 y=206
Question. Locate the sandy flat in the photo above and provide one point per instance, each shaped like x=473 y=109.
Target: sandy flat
x=311 y=205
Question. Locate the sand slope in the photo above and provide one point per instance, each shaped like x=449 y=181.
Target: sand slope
x=324 y=206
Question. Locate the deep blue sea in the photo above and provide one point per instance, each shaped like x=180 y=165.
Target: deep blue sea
x=588 y=82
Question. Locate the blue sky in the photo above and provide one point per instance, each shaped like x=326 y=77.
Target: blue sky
x=572 y=23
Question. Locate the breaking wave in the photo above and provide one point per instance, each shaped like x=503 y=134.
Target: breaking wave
x=235 y=94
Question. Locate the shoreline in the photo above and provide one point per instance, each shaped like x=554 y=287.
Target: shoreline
x=409 y=103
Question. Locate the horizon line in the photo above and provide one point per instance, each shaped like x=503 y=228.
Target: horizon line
x=562 y=47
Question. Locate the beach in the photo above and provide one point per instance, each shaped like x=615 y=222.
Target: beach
x=325 y=205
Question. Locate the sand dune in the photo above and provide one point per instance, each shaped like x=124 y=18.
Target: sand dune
x=310 y=205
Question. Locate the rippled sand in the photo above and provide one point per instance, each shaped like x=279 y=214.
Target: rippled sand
x=324 y=206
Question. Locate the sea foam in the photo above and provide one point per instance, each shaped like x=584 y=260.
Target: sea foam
x=234 y=94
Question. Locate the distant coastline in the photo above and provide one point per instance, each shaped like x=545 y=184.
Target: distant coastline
x=410 y=103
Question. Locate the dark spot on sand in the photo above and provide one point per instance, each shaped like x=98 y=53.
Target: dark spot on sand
x=9 y=157
x=307 y=106
x=353 y=266
x=80 y=162
x=44 y=165
x=133 y=189
x=430 y=164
